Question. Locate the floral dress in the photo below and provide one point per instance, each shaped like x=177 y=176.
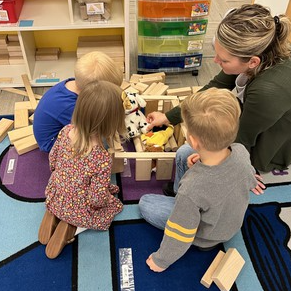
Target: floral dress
x=79 y=190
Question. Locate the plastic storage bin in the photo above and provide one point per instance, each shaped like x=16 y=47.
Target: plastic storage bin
x=169 y=28
x=170 y=63
x=170 y=9
x=10 y=10
x=180 y=45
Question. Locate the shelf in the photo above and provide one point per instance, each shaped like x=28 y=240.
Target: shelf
x=51 y=22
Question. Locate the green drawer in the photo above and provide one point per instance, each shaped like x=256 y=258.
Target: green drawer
x=168 y=28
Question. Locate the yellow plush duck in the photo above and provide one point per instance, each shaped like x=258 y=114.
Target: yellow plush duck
x=155 y=141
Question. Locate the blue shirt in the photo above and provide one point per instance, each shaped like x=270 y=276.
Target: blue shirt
x=54 y=111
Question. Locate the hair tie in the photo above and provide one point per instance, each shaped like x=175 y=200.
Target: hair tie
x=277 y=20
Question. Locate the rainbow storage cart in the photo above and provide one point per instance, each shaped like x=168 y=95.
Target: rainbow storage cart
x=171 y=35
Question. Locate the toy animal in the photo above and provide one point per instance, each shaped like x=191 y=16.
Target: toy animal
x=155 y=141
x=135 y=120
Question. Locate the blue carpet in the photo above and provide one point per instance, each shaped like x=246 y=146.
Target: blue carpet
x=91 y=262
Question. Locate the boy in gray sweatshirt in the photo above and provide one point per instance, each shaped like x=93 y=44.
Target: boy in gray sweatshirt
x=213 y=194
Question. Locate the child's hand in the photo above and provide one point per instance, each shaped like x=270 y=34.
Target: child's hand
x=153 y=266
x=192 y=159
x=260 y=186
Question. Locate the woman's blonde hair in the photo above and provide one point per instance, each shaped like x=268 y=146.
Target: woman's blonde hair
x=212 y=116
x=250 y=31
x=97 y=66
x=99 y=114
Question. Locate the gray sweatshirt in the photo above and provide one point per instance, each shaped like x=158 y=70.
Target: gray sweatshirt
x=210 y=206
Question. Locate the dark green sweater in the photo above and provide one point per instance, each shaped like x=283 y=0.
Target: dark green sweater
x=265 y=123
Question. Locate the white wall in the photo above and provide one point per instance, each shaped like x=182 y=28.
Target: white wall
x=276 y=6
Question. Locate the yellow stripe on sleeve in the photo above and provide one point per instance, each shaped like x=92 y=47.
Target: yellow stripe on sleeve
x=178 y=237
x=180 y=228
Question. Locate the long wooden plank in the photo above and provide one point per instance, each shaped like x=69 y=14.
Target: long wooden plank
x=29 y=91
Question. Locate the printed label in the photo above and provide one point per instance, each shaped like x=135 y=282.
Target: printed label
x=197 y=28
x=95 y=8
x=191 y=62
x=200 y=9
x=4 y=15
x=195 y=45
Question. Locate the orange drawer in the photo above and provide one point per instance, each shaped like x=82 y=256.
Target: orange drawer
x=167 y=9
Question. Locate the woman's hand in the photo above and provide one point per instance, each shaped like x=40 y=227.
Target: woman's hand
x=156 y=119
x=192 y=159
x=153 y=266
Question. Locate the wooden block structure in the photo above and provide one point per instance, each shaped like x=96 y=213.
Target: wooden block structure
x=22 y=136
x=224 y=270
x=164 y=160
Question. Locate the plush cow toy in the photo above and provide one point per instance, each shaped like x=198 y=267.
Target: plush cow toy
x=135 y=120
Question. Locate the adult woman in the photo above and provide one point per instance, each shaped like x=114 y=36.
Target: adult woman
x=253 y=51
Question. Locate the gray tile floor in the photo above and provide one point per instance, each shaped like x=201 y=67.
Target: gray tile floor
x=207 y=71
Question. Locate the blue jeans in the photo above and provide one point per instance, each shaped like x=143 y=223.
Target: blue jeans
x=182 y=154
x=156 y=209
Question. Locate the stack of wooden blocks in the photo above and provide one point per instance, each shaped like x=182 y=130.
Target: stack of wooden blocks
x=224 y=270
x=95 y=11
x=112 y=45
x=10 y=50
x=22 y=135
x=159 y=97
x=47 y=54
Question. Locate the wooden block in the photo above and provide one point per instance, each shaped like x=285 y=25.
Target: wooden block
x=143 y=168
x=12 y=37
x=135 y=78
x=20 y=92
x=150 y=88
x=29 y=91
x=228 y=269
x=21 y=118
x=23 y=105
x=140 y=87
x=173 y=144
x=48 y=51
x=3 y=38
x=25 y=145
x=117 y=166
x=161 y=89
x=164 y=169
x=180 y=91
x=20 y=133
x=5 y=126
x=150 y=80
x=206 y=280
x=152 y=105
x=138 y=144
x=124 y=85
x=159 y=74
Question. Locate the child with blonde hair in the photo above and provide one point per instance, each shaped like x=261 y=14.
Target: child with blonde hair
x=56 y=106
x=213 y=195
x=79 y=193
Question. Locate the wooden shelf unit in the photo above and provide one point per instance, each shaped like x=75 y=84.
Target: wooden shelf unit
x=57 y=23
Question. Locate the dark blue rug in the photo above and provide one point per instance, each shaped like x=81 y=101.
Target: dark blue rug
x=184 y=275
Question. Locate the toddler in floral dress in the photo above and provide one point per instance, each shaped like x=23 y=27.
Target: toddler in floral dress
x=79 y=193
